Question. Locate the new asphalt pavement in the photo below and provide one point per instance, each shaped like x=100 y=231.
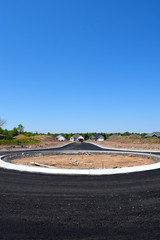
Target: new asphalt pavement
x=84 y=146
x=41 y=206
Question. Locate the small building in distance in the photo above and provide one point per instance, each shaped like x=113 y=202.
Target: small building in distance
x=114 y=135
x=93 y=138
x=154 y=134
x=76 y=137
x=59 y=137
x=96 y=137
x=135 y=135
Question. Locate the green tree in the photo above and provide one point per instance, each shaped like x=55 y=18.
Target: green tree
x=20 y=128
x=15 y=132
x=86 y=136
x=2 y=122
x=5 y=133
x=143 y=135
x=126 y=134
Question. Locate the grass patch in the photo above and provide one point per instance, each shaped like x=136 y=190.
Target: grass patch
x=151 y=138
x=20 y=141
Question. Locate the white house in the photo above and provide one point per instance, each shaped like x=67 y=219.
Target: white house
x=100 y=138
x=96 y=137
x=76 y=137
x=59 y=137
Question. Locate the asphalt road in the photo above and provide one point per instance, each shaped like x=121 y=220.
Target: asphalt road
x=36 y=206
x=72 y=146
x=114 y=207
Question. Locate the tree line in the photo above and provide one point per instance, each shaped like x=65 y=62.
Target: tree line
x=105 y=135
x=9 y=134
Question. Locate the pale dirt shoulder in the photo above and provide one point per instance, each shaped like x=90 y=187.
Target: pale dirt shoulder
x=130 y=143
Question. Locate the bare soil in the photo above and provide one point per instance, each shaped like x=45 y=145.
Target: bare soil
x=130 y=142
x=126 y=142
x=86 y=161
x=45 y=142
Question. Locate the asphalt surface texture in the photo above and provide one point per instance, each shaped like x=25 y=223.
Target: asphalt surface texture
x=41 y=206
x=72 y=146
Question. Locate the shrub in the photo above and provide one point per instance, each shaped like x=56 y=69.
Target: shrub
x=20 y=141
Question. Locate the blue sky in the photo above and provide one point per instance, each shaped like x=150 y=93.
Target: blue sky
x=80 y=66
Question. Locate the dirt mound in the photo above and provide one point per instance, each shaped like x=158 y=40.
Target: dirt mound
x=45 y=142
x=131 y=142
x=131 y=139
x=44 y=138
x=123 y=139
x=19 y=136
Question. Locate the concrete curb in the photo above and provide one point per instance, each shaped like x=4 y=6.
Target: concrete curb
x=56 y=171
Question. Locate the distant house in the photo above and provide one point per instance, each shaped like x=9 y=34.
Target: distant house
x=114 y=135
x=59 y=137
x=93 y=138
x=96 y=137
x=135 y=135
x=154 y=134
x=76 y=137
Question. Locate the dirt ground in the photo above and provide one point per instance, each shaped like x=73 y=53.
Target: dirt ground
x=86 y=161
x=45 y=142
x=130 y=142
x=126 y=142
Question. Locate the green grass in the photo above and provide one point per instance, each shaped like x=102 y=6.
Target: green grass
x=151 y=138
x=20 y=141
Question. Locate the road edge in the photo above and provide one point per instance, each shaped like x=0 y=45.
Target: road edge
x=62 y=171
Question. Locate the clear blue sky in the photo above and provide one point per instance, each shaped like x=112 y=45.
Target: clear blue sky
x=80 y=66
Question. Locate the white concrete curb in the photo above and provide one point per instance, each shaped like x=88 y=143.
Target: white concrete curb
x=25 y=168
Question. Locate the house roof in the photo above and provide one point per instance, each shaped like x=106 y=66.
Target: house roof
x=96 y=136
x=60 y=136
x=92 y=137
x=135 y=135
x=100 y=137
x=148 y=135
x=57 y=135
x=76 y=136
x=157 y=134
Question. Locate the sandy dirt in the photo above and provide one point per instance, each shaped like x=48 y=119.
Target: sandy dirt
x=126 y=142
x=45 y=142
x=86 y=161
x=129 y=142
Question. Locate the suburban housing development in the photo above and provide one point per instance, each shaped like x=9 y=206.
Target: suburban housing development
x=96 y=137
x=99 y=137
x=78 y=137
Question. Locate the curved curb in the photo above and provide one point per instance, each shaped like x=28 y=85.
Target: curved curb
x=64 y=171
x=35 y=149
x=126 y=149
